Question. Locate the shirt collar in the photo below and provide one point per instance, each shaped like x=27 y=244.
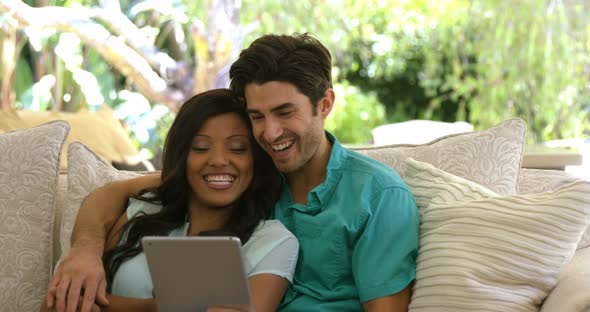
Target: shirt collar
x=338 y=155
x=323 y=192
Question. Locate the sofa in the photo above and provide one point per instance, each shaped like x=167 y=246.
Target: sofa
x=39 y=203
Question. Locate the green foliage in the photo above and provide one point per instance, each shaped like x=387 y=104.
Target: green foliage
x=477 y=61
x=38 y=97
x=354 y=115
x=105 y=77
x=23 y=77
x=385 y=51
x=500 y=60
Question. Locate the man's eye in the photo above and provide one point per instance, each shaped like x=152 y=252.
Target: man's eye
x=255 y=117
x=285 y=114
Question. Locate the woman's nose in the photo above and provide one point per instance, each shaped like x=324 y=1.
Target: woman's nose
x=218 y=157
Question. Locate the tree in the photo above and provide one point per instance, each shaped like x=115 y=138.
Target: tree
x=125 y=47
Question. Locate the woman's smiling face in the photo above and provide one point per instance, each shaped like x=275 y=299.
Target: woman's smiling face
x=220 y=164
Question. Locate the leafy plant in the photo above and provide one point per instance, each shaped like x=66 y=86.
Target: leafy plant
x=501 y=61
x=354 y=115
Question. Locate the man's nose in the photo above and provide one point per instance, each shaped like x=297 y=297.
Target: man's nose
x=272 y=130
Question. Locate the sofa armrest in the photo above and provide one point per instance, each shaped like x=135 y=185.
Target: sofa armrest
x=572 y=292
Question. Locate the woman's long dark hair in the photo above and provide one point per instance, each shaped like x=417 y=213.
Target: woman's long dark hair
x=253 y=206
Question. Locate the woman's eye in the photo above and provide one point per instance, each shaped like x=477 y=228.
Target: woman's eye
x=199 y=148
x=238 y=149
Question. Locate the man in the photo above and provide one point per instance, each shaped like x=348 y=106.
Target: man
x=355 y=219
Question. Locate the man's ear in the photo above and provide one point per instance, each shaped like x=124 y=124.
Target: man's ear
x=326 y=103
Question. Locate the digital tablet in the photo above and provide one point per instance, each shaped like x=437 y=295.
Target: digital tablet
x=193 y=273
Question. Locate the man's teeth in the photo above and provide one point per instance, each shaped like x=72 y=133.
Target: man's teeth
x=281 y=147
x=219 y=179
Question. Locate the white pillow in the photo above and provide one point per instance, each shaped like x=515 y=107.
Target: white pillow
x=539 y=181
x=480 y=251
x=491 y=158
x=29 y=168
x=86 y=172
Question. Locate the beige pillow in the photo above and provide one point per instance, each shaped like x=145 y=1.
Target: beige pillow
x=491 y=158
x=86 y=172
x=29 y=167
x=480 y=251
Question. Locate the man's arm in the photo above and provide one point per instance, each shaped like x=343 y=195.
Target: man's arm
x=82 y=268
x=397 y=302
x=391 y=232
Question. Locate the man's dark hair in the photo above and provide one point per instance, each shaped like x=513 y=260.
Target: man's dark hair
x=299 y=59
x=253 y=206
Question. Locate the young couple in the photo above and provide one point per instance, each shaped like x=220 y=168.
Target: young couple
x=355 y=220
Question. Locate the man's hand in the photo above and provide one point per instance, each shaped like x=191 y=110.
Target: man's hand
x=95 y=307
x=81 y=272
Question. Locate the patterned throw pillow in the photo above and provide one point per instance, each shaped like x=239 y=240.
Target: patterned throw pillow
x=480 y=251
x=29 y=168
x=491 y=158
x=86 y=172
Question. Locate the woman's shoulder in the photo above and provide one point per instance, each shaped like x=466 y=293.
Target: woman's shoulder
x=267 y=235
x=272 y=228
x=271 y=249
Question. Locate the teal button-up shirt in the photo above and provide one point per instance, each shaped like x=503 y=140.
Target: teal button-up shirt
x=358 y=235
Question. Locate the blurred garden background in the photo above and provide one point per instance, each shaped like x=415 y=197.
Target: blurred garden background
x=479 y=61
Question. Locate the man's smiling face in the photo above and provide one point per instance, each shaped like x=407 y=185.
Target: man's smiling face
x=285 y=123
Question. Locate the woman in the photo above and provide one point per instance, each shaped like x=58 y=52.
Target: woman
x=215 y=180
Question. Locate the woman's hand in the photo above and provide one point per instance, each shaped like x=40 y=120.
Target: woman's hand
x=228 y=309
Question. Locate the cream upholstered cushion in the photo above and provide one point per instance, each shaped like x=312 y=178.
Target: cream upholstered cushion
x=491 y=158
x=571 y=293
x=9 y=121
x=480 y=251
x=86 y=172
x=29 y=167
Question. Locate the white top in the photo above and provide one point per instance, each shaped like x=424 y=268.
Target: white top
x=271 y=249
